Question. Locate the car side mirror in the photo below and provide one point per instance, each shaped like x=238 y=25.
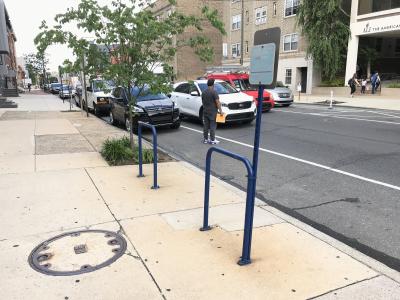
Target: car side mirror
x=169 y=95
x=194 y=94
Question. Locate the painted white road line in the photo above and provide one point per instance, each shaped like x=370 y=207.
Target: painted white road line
x=384 y=114
x=391 y=186
x=337 y=117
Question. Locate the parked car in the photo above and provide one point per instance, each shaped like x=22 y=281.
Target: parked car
x=281 y=94
x=55 y=88
x=98 y=93
x=237 y=106
x=66 y=92
x=241 y=82
x=156 y=109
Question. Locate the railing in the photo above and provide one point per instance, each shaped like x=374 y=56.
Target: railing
x=248 y=223
x=155 y=159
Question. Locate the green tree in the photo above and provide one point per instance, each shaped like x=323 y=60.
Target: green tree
x=326 y=28
x=135 y=39
x=36 y=64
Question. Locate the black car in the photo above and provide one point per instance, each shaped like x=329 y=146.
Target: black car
x=155 y=109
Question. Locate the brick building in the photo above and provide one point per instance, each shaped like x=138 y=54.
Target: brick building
x=294 y=65
x=186 y=63
x=8 y=59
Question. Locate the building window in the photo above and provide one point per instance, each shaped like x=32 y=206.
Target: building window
x=236 y=50
x=236 y=22
x=247 y=16
x=290 y=42
x=288 y=76
x=247 y=46
x=291 y=7
x=261 y=15
x=274 y=8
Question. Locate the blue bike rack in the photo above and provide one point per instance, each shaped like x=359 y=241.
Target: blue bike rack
x=245 y=259
x=155 y=158
x=251 y=184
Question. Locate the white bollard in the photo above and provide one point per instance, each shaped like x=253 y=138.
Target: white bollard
x=331 y=104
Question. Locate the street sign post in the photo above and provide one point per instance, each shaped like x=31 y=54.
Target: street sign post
x=263 y=72
x=264 y=64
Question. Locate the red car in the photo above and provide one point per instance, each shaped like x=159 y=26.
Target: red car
x=241 y=82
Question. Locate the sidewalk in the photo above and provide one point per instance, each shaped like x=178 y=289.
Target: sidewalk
x=53 y=181
x=360 y=101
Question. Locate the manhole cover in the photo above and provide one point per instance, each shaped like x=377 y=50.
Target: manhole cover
x=77 y=252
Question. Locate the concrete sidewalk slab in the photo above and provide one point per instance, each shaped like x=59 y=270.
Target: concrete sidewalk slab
x=69 y=161
x=17 y=164
x=125 y=279
x=229 y=217
x=61 y=143
x=47 y=201
x=54 y=126
x=287 y=262
x=17 y=137
x=376 y=288
x=129 y=196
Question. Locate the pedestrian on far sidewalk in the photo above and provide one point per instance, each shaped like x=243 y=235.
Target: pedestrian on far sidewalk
x=375 y=81
x=29 y=87
x=353 y=82
x=363 y=86
x=211 y=106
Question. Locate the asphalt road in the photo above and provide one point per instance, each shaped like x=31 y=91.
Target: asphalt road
x=337 y=170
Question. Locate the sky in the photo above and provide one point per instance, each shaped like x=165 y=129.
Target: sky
x=26 y=17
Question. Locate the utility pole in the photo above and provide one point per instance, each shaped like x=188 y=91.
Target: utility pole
x=242 y=35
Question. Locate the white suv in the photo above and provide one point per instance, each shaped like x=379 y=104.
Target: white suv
x=237 y=106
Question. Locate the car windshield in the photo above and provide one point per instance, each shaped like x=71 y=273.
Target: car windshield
x=66 y=88
x=222 y=88
x=56 y=85
x=244 y=85
x=146 y=95
x=280 y=84
x=102 y=85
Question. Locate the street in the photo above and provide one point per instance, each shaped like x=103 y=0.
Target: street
x=337 y=170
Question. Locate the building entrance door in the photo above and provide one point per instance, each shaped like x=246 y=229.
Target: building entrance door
x=303 y=80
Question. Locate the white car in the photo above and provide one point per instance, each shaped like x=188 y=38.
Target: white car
x=237 y=106
x=99 y=93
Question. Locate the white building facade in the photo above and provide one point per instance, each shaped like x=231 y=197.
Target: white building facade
x=375 y=24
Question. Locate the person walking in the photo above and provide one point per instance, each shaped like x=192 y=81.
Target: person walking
x=353 y=82
x=375 y=82
x=29 y=87
x=211 y=106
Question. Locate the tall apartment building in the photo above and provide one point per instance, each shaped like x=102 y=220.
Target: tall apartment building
x=375 y=24
x=294 y=65
x=187 y=66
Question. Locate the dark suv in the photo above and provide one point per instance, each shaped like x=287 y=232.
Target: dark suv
x=155 y=109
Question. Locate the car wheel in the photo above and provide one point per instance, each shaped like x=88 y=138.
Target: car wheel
x=95 y=109
x=201 y=116
x=112 y=119
x=176 y=125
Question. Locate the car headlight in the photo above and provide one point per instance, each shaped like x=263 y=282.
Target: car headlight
x=137 y=109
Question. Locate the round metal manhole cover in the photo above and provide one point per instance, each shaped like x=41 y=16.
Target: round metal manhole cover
x=77 y=252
